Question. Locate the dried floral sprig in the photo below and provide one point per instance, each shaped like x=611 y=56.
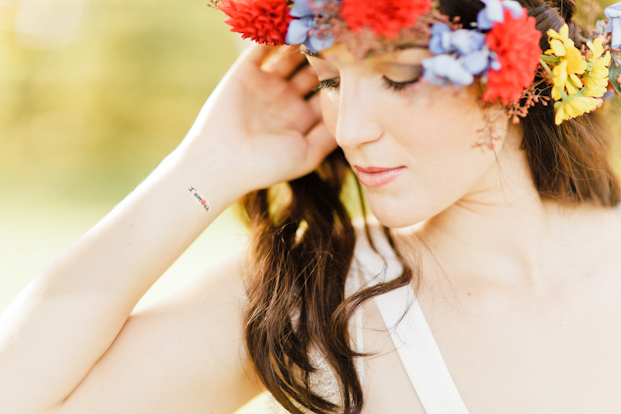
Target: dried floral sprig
x=531 y=96
x=493 y=118
x=365 y=43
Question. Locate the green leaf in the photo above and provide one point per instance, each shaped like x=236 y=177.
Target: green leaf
x=613 y=74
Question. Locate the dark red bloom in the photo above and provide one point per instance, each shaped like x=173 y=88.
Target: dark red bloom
x=264 y=21
x=385 y=17
x=517 y=44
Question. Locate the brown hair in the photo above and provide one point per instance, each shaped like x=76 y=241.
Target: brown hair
x=303 y=240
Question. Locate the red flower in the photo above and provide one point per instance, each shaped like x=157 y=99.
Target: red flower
x=517 y=44
x=385 y=17
x=264 y=21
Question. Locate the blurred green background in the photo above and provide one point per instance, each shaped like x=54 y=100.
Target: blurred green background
x=93 y=95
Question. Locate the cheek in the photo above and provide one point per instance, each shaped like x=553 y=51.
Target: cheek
x=442 y=125
x=432 y=183
x=438 y=143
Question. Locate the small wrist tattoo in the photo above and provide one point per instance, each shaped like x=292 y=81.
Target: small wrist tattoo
x=194 y=193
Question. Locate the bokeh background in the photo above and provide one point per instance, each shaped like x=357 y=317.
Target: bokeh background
x=93 y=95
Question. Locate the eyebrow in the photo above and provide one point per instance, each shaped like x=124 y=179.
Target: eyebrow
x=306 y=51
x=411 y=45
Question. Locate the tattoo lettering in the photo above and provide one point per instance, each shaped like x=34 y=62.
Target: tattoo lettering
x=194 y=193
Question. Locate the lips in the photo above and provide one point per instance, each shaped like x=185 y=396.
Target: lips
x=377 y=176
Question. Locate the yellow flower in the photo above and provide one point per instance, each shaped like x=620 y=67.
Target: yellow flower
x=583 y=92
x=560 y=80
x=596 y=77
x=571 y=63
x=560 y=74
x=596 y=47
x=562 y=35
x=574 y=106
x=595 y=84
x=575 y=63
x=562 y=46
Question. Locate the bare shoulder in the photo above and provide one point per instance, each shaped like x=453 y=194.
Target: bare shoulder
x=589 y=223
x=185 y=354
x=586 y=243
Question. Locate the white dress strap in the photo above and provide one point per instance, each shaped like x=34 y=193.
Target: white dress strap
x=410 y=332
x=354 y=281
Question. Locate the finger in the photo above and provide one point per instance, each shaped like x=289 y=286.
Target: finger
x=300 y=116
x=305 y=81
x=320 y=143
x=284 y=62
x=304 y=115
x=256 y=54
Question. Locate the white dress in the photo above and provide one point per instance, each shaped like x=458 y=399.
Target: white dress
x=411 y=335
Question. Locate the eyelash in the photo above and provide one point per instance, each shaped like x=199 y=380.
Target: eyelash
x=395 y=86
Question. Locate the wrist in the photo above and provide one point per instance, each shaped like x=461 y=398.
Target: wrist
x=210 y=181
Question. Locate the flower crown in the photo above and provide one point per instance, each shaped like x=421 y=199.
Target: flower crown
x=501 y=50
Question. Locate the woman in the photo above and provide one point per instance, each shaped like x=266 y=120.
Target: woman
x=511 y=242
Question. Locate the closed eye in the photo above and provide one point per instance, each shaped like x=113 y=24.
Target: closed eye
x=390 y=84
x=328 y=84
x=399 y=86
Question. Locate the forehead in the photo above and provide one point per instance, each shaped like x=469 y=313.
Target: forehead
x=340 y=54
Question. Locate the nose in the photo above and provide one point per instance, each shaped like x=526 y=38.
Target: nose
x=357 y=121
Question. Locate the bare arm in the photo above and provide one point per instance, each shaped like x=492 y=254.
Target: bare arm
x=65 y=320
x=71 y=326
x=182 y=355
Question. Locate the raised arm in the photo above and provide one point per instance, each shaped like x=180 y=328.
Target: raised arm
x=68 y=343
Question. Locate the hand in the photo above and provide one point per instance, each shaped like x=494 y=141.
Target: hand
x=257 y=126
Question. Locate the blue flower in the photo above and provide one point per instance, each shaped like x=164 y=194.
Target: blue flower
x=462 y=41
x=608 y=95
x=462 y=54
x=302 y=8
x=494 y=12
x=601 y=27
x=478 y=61
x=303 y=29
x=440 y=38
x=614 y=14
x=467 y=41
x=446 y=70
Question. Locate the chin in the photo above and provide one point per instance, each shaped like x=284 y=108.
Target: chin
x=396 y=213
x=395 y=222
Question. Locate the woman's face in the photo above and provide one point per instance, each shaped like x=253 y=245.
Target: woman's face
x=413 y=145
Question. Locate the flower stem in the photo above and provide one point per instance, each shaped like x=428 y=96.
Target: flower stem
x=546 y=67
x=550 y=59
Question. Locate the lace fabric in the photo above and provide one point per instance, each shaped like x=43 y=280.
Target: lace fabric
x=323 y=381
